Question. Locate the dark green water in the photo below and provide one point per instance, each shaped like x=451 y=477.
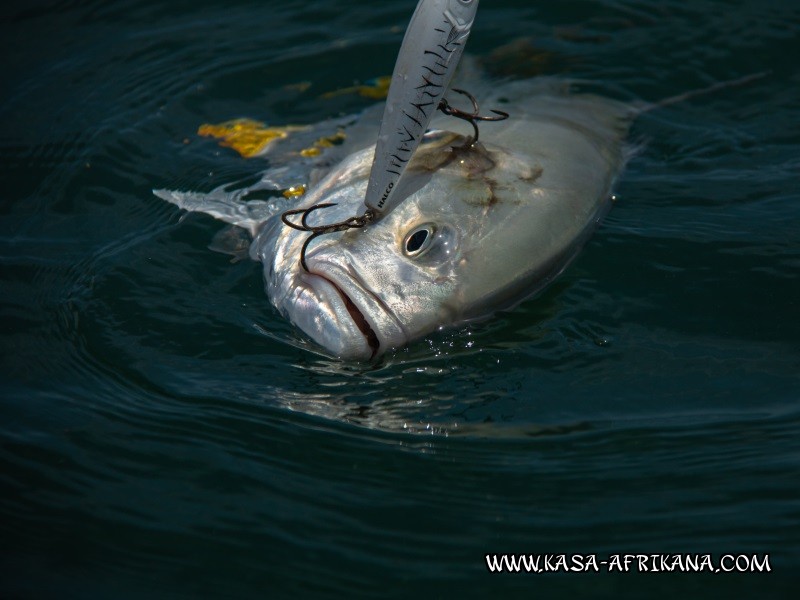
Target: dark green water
x=164 y=434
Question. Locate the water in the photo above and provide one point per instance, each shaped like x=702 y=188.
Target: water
x=165 y=434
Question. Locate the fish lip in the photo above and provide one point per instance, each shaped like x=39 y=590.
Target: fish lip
x=357 y=315
x=361 y=300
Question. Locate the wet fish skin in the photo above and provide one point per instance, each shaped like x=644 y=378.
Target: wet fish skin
x=503 y=217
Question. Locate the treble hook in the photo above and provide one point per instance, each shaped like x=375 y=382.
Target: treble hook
x=318 y=230
x=369 y=215
x=445 y=107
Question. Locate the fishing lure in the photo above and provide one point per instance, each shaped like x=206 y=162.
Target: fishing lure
x=431 y=49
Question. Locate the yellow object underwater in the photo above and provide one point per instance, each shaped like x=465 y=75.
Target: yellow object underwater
x=377 y=89
x=295 y=191
x=324 y=142
x=249 y=138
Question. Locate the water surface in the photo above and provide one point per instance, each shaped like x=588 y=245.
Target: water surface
x=164 y=433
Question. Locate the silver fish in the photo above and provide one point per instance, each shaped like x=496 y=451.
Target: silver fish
x=481 y=228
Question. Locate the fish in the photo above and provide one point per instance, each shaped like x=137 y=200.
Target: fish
x=481 y=226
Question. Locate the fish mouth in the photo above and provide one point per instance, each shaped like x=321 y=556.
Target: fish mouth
x=358 y=317
x=370 y=318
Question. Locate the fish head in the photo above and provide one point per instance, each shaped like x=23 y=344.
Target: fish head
x=448 y=253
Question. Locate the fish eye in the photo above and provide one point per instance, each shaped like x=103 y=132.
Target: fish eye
x=419 y=240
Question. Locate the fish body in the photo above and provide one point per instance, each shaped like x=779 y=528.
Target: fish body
x=481 y=227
